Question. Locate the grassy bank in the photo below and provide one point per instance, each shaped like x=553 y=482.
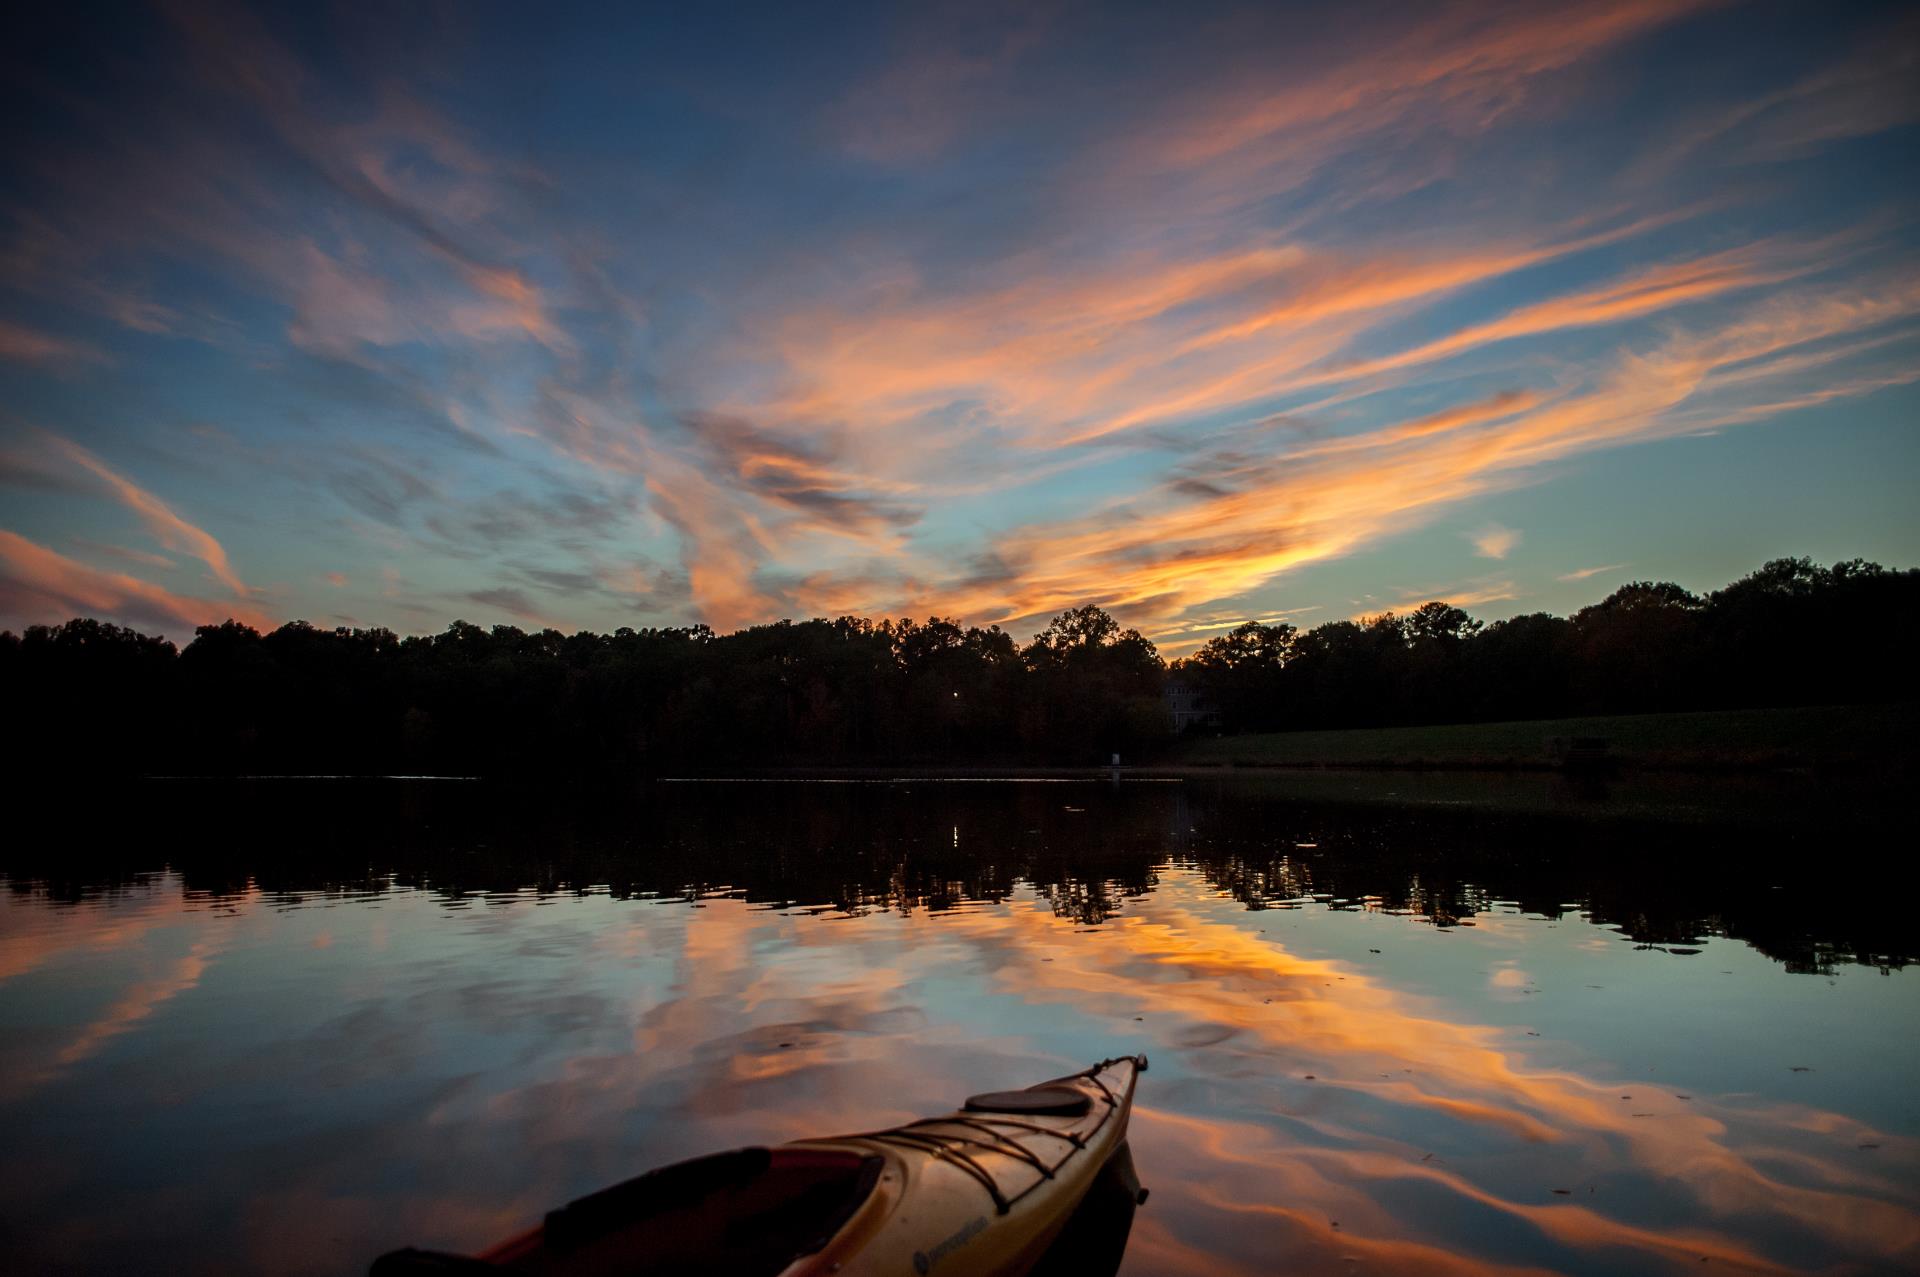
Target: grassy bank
x=1852 y=737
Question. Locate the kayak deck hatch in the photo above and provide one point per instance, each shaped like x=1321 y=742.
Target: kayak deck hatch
x=1051 y=1101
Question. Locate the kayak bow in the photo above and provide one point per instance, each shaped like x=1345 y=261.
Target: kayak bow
x=984 y=1190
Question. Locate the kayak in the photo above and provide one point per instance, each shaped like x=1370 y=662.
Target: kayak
x=985 y=1191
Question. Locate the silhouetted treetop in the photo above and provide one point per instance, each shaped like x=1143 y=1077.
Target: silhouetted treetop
x=1248 y=646
x=1440 y=621
x=1645 y=596
x=1084 y=626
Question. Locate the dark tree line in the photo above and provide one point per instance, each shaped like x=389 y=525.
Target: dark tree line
x=90 y=696
x=1791 y=633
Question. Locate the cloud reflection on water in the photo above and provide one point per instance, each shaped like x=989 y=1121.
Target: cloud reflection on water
x=1400 y=1098
x=491 y=1064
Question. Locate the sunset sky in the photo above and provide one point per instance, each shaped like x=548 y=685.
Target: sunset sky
x=647 y=315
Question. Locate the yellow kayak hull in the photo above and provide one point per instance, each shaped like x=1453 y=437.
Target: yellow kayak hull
x=930 y=1214
x=983 y=1191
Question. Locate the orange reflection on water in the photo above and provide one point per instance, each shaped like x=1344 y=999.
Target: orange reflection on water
x=1301 y=1114
x=1312 y=1095
x=85 y=937
x=1339 y=1085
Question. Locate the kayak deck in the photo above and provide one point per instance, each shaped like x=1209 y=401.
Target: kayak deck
x=1035 y=1133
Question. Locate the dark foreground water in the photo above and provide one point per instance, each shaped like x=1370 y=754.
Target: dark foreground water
x=281 y=1027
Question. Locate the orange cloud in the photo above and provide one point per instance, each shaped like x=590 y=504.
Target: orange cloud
x=1237 y=526
x=1494 y=541
x=513 y=304
x=40 y=585
x=921 y=387
x=1643 y=293
x=1508 y=403
x=1639 y=295
x=343 y=301
x=1469 y=595
x=1468 y=65
x=736 y=495
x=1059 y=360
x=123 y=554
x=172 y=531
x=716 y=548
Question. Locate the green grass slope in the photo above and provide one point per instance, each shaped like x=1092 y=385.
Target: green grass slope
x=1875 y=737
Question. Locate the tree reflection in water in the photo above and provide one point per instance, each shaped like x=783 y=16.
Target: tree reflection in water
x=393 y=1013
x=930 y=844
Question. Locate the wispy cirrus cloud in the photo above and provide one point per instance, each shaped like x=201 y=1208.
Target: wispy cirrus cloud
x=1462 y=67
x=947 y=82
x=721 y=550
x=1583 y=574
x=42 y=586
x=506 y=599
x=1863 y=93
x=1178 y=547
x=1057 y=361
x=1644 y=292
x=395 y=239
x=985 y=314
x=167 y=527
x=124 y=554
x=1463 y=595
x=1052 y=363
x=805 y=480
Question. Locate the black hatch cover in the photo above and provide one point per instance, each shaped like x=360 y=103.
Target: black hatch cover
x=1043 y=1101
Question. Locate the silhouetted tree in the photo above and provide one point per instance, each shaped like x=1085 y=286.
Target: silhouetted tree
x=1241 y=672
x=1790 y=633
x=1519 y=668
x=88 y=696
x=1639 y=649
x=1095 y=688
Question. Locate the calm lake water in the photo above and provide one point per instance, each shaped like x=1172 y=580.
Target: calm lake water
x=1396 y=1024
